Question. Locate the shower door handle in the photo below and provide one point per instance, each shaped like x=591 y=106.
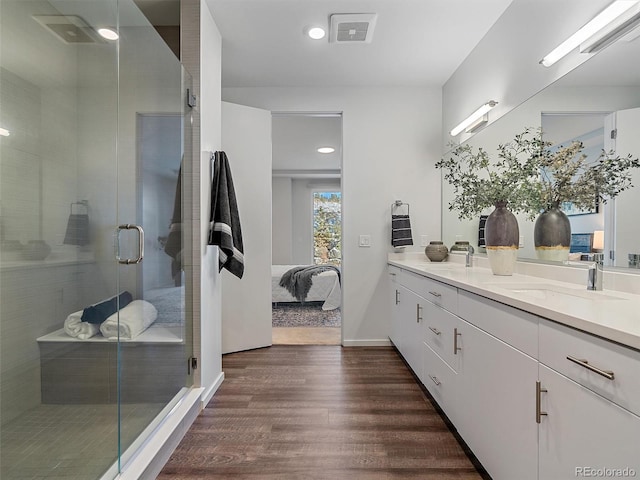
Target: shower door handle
x=138 y=259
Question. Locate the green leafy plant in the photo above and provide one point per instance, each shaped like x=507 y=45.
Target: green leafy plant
x=568 y=175
x=532 y=177
x=479 y=183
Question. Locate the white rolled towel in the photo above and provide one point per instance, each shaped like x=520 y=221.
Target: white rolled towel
x=75 y=327
x=131 y=321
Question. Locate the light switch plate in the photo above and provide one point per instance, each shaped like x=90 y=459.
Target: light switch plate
x=365 y=241
x=521 y=244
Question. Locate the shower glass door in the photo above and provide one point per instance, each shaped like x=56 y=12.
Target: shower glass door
x=76 y=162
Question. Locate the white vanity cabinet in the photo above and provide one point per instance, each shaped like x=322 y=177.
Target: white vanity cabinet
x=533 y=399
x=496 y=394
x=582 y=432
x=589 y=403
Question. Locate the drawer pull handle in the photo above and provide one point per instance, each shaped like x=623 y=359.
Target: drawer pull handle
x=584 y=363
x=418 y=309
x=435 y=330
x=436 y=294
x=539 y=412
x=456 y=348
x=435 y=380
x=397 y=297
x=392 y=274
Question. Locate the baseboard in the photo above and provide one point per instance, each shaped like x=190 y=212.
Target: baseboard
x=207 y=395
x=156 y=450
x=366 y=343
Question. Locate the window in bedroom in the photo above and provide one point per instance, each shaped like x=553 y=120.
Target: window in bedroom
x=327 y=228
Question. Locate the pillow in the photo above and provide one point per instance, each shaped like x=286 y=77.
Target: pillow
x=99 y=312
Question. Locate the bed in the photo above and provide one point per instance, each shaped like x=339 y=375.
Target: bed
x=325 y=288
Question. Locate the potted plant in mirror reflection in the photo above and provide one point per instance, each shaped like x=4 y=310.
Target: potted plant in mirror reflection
x=506 y=183
x=569 y=177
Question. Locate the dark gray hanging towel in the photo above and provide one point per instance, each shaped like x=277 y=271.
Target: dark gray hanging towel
x=225 y=231
x=173 y=247
x=400 y=231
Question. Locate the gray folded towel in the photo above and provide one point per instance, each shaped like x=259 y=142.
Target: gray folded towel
x=401 y=231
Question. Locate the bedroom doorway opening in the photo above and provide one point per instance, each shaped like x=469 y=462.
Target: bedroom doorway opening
x=306 y=228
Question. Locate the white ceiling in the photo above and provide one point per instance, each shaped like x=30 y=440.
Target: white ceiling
x=415 y=42
x=296 y=139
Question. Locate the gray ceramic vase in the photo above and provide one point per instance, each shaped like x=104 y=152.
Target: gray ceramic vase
x=436 y=251
x=502 y=237
x=552 y=235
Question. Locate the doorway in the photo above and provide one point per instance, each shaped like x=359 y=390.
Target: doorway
x=306 y=228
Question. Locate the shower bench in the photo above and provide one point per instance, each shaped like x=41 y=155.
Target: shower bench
x=153 y=367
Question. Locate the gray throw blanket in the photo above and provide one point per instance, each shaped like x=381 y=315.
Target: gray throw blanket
x=225 y=221
x=298 y=280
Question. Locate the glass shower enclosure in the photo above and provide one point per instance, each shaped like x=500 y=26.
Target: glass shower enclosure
x=94 y=335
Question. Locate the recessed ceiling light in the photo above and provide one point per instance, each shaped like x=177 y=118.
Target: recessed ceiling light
x=316 y=33
x=326 y=150
x=108 y=33
x=4 y=132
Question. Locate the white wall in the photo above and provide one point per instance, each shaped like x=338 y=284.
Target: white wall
x=504 y=65
x=281 y=221
x=210 y=325
x=391 y=141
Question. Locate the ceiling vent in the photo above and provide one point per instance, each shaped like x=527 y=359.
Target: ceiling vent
x=352 y=27
x=71 y=29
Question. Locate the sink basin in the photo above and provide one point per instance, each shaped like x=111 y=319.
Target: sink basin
x=543 y=292
x=440 y=266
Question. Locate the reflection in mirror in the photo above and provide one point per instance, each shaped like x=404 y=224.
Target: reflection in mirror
x=599 y=97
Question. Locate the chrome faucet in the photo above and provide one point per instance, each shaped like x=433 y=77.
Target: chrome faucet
x=596 y=272
x=468 y=260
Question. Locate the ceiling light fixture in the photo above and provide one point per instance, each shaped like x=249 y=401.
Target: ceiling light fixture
x=108 y=33
x=4 y=132
x=326 y=150
x=608 y=26
x=474 y=120
x=317 y=33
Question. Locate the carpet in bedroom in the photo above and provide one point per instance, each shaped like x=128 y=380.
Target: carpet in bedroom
x=304 y=315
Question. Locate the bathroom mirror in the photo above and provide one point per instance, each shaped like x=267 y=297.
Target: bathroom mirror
x=606 y=86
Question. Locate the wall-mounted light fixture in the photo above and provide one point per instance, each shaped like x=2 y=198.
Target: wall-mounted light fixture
x=613 y=22
x=475 y=120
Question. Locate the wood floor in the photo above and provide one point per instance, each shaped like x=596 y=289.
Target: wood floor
x=319 y=412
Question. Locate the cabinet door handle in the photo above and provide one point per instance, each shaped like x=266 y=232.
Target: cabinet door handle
x=539 y=412
x=397 y=296
x=456 y=348
x=436 y=294
x=392 y=274
x=434 y=379
x=435 y=330
x=418 y=317
x=584 y=363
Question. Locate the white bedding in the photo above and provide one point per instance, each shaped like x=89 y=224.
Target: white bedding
x=325 y=288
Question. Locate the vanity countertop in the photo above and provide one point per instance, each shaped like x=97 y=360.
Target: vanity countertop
x=609 y=314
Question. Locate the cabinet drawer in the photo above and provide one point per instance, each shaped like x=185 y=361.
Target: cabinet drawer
x=394 y=272
x=558 y=342
x=440 y=381
x=514 y=327
x=436 y=292
x=439 y=333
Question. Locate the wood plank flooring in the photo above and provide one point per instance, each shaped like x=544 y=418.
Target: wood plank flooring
x=319 y=412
